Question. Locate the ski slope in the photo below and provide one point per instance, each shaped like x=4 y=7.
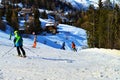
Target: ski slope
x=49 y=63
x=66 y=33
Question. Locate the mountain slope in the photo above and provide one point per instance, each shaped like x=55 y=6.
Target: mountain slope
x=83 y=4
x=47 y=63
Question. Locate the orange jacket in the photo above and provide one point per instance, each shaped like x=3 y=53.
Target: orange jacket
x=73 y=45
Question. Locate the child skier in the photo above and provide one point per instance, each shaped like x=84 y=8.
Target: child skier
x=35 y=41
x=63 y=46
x=73 y=46
x=18 y=43
x=10 y=36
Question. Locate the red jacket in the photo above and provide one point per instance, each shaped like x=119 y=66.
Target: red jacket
x=73 y=45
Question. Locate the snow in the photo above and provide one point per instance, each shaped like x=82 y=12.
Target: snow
x=66 y=34
x=47 y=62
x=20 y=5
x=80 y=4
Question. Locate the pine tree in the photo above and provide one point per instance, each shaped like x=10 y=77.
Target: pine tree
x=37 y=22
x=100 y=4
x=0 y=14
x=116 y=28
x=92 y=29
x=14 y=19
x=44 y=15
x=91 y=32
x=9 y=14
x=108 y=4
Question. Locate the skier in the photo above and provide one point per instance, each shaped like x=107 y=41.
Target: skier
x=63 y=46
x=10 y=35
x=74 y=46
x=35 y=41
x=18 y=43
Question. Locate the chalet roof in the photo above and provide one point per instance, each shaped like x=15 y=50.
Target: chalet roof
x=26 y=10
x=50 y=24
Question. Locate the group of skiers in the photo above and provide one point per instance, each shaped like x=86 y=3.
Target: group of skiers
x=18 y=43
x=73 y=46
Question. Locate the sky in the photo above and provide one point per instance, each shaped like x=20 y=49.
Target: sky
x=48 y=62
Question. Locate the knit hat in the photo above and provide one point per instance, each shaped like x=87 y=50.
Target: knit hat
x=15 y=32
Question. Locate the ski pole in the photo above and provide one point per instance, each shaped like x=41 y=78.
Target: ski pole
x=29 y=49
x=7 y=52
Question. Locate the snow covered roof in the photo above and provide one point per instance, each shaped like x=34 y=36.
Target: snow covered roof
x=50 y=24
x=25 y=10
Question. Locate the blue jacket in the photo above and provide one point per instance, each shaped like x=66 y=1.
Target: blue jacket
x=18 y=41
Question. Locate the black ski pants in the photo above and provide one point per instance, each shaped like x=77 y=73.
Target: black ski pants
x=20 y=48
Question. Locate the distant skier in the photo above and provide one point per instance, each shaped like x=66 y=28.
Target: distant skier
x=74 y=46
x=10 y=36
x=63 y=46
x=18 y=43
x=35 y=40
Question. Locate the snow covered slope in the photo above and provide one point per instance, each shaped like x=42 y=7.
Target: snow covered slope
x=82 y=4
x=47 y=63
x=66 y=34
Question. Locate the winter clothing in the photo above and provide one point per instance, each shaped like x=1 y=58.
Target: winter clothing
x=18 y=42
x=10 y=36
x=34 y=44
x=63 y=46
x=35 y=41
x=73 y=46
x=18 y=50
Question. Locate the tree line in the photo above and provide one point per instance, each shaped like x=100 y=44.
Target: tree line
x=102 y=25
x=44 y=4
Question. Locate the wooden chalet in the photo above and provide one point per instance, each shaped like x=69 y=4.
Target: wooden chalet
x=25 y=11
x=51 y=27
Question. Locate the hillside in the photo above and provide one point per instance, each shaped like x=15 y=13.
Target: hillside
x=47 y=63
x=66 y=33
x=83 y=4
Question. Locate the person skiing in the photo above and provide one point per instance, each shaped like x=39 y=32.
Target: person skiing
x=63 y=46
x=18 y=43
x=74 y=46
x=10 y=36
x=35 y=41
